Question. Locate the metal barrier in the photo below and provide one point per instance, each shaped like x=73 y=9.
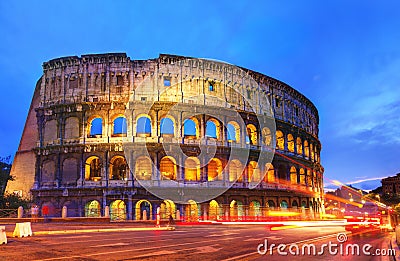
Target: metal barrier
x=8 y=213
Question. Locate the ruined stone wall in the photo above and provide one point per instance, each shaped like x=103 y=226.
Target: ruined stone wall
x=74 y=90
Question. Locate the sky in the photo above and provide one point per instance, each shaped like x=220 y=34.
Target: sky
x=343 y=55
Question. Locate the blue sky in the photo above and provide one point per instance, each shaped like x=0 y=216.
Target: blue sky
x=343 y=55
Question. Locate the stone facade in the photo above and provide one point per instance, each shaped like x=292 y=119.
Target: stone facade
x=72 y=149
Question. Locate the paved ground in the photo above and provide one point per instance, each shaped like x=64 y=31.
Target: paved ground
x=128 y=241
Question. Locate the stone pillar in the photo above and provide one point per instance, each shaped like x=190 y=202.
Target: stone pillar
x=20 y=212
x=64 y=212
x=107 y=211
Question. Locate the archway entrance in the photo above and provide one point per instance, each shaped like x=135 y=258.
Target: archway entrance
x=214 y=211
x=236 y=210
x=254 y=210
x=167 y=208
x=118 y=210
x=141 y=206
x=92 y=209
x=191 y=211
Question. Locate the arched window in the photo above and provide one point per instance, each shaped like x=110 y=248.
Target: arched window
x=253 y=172
x=167 y=127
x=168 y=168
x=118 y=168
x=96 y=128
x=143 y=126
x=280 y=140
x=290 y=142
x=189 y=128
x=267 y=137
x=284 y=204
x=192 y=169
x=119 y=126
x=299 y=146
x=233 y=130
x=143 y=168
x=93 y=168
x=211 y=130
x=251 y=137
x=293 y=175
x=214 y=169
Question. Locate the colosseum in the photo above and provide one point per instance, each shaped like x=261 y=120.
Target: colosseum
x=195 y=138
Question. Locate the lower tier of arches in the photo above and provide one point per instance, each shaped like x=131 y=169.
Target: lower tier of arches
x=233 y=205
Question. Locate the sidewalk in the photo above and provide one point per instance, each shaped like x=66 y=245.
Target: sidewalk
x=395 y=246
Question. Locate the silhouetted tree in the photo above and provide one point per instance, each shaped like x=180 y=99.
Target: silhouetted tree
x=5 y=168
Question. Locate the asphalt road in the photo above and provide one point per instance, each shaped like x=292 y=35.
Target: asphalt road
x=211 y=242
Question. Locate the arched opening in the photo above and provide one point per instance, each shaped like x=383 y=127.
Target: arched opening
x=299 y=146
x=290 y=141
x=93 y=168
x=235 y=171
x=284 y=204
x=306 y=149
x=118 y=168
x=302 y=177
x=143 y=126
x=270 y=176
x=233 y=132
x=294 y=204
x=303 y=204
x=293 y=175
x=143 y=168
x=214 y=211
x=167 y=127
x=312 y=151
x=118 y=210
x=282 y=174
x=251 y=137
x=254 y=209
x=214 y=169
x=92 y=209
x=192 y=169
x=143 y=210
x=167 y=208
x=168 y=168
x=190 y=129
x=280 y=140
x=191 y=210
x=235 y=210
x=96 y=128
x=211 y=129
x=267 y=137
x=253 y=172
x=271 y=204
x=119 y=127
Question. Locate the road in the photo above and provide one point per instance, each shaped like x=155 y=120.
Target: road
x=211 y=242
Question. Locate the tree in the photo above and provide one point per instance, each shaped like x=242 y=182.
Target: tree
x=5 y=168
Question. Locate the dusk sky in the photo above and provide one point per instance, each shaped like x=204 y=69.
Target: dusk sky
x=343 y=55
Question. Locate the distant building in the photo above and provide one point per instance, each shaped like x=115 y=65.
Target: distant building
x=391 y=185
